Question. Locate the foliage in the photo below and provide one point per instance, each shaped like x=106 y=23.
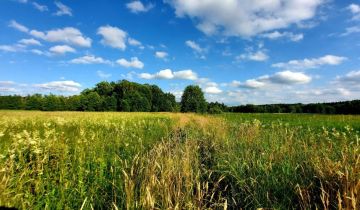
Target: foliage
x=346 y=107
x=115 y=96
x=216 y=108
x=193 y=100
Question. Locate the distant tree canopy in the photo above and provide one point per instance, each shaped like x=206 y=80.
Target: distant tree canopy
x=105 y=96
x=193 y=100
x=345 y=107
x=133 y=97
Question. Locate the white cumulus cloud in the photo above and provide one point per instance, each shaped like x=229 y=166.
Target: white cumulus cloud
x=113 y=37
x=138 y=6
x=169 y=74
x=288 y=35
x=161 y=54
x=279 y=78
x=251 y=84
x=133 y=63
x=61 y=49
x=254 y=56
x=243 y=17
x=212 y=90
x=68 y=35
x=311 y=63
x=30 y=42
x=90 y=59
x=287 y=77
x=355 y=11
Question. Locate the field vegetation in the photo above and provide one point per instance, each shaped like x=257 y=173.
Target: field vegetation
x=73 y=160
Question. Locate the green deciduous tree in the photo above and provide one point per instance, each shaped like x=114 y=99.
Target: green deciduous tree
x=193 y=100
x=91 y=101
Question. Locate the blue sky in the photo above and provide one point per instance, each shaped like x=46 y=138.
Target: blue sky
x=237 y=51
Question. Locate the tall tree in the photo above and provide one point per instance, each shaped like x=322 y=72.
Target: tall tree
x=193 y=100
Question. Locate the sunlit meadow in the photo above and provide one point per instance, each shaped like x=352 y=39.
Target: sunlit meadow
x=70 y=160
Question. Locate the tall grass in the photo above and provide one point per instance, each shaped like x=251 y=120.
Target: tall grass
x=65 y=160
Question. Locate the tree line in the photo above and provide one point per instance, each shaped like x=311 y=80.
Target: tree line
x=134 y=97
x=105 y=96
x=344 y=107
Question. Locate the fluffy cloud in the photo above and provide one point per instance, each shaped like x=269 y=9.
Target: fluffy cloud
x=62 y=9
x=160 y=54
x=245 y=18
x=163 y=74
x=20 y=46
x=61 y=49
x=287 y=78
x=138 y=6
x=18 y=26
x=254 y=56
x=311 y=63
x=288 y=35
x=279 y=78
x=41 y=8
x=90 y=59
x=251 y=84
x=133 y=63
x=103 y=75
x=212 y=90
x=355 y=11
x=30 y=42
x=278 y=88
x=185 y=74
x=61 y=86
x=169 y=74
x=113 y=37
x=68 y=35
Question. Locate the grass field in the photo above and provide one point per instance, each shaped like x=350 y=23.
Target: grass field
x=70 y=160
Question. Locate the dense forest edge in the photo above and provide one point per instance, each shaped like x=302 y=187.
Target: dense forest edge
x=125 y=96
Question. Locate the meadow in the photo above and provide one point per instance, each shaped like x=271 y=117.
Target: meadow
x=85 y=160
